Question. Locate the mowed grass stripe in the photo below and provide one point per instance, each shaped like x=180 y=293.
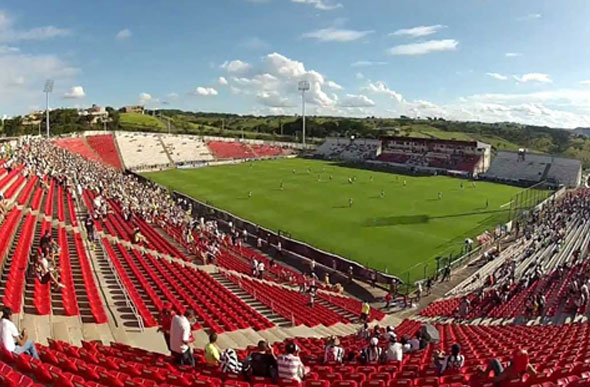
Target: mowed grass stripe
x=407 y=227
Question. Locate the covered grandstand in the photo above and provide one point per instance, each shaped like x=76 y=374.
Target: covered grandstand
x=525 y=168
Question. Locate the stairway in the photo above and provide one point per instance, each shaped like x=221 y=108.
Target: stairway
x=173 y=242
x=28 y=305
x=79 y=285
x=251 y=301
x=336 y=309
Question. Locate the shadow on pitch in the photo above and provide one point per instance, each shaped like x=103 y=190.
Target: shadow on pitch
x=420 y=219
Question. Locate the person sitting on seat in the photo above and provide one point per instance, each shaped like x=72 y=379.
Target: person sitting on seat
x=47 y=273
x=519 y=366
x=290 y=366
x=394 y=350
x=230 y=363
x=262 y=363
x=453 y=362
x=138 y=238
x=333 y=353
x=372 y=352
x=11 y=340
x=212 y=356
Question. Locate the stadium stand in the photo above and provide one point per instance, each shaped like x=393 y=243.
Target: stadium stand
x=104 y=146
x=142 y=150
x=347 y=149
x=527 y=168
x=186 y=149
x=461 y=156
x=230 y=150
x=542 y=273
x=78 y=146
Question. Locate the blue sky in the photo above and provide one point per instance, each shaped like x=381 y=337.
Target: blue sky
x=501 y=60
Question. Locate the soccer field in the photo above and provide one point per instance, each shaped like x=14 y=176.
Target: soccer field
x=400 y=231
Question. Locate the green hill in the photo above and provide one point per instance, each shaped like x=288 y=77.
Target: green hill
x=137 y=121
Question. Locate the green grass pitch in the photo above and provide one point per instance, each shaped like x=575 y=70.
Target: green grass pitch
x=399 y=232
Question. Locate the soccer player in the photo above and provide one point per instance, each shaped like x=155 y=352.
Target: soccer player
x=382 y=194
x=440 y=196
x=405 y=182
x=249 y=194
x=349 y=202
x=330 y=177
x=350 y=180
x=461 y=185
x=282 y=186
x=371 y=179
x=293 y=171
x=487 y=203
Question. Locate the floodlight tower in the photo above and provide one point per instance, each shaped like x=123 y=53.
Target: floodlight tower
x=303 y=87
x=47 y=89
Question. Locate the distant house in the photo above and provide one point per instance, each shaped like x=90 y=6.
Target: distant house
x=98 y=114
x=33 y=119
x=132 y=109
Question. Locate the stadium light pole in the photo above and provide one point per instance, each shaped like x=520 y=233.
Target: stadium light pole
x=47 y=89
x=303 y=87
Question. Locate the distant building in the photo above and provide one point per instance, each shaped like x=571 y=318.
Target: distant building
x=33 y=118
x=132 y=109
x=98 y=114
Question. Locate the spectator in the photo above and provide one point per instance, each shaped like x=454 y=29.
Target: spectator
x=387 y=300
x=212 y=355
x=415 y=343
x=389 y=333
x=181 y=338
x=394 y=350
x=518 y=367
x=290 y=366
x=365 y=311
x=165 y=319
x=364 y=333
x=260 y=269
x=230 y=364
x=262 y=363
x=453 y=362
x=46 y=272
x=333 y=352
x=11 y=340
x=372 y=352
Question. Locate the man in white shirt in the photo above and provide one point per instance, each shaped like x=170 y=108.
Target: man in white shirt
x=11 y=340
x=260 y=269
x=394 y=350
x=181 y=337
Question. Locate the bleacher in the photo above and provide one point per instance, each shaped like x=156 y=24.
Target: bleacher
x=104 y=146
x=347 y=149
x=78 y=146
x=230 y=150
x=186 y=149
x=532 y=168
x=164 y=270
x=142 y=150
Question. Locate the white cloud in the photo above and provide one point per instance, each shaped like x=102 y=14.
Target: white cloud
x=424 y=47
x=367 y=63
x=274 y=83
x=222 y=81
x=333 y=85
x=205 y=91
x=320 y=4
x=497 y=76
x=274 y=99
x=419 y=31
x=585 y=83
x=359 y=76
x=533 y=77
x=380 y=87
x=9 y=34
x=336 y=35
x=75 y=92
x=512 y=54
x=236 y=66
x=530 y=16
x=356 y=100
x=123 y=34
x=144 y=98
x=172 y=95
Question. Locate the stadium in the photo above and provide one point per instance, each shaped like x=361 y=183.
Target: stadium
x=294 y=193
